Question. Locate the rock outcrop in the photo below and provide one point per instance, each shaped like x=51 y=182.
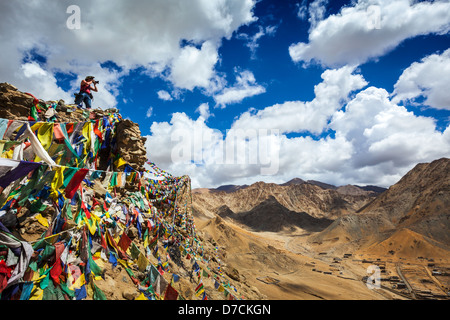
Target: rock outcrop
x=15 y=104
x=133 y=240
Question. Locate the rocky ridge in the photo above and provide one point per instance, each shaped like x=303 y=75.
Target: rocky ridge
x=312 y=199
x=125 y=279
x=418 y=206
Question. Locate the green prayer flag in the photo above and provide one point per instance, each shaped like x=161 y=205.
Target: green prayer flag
x=113 y=182
x=52 y=293
x=68 y=174
x=37 y=206
x=66 y=290
x=98 y=294
x=134 y=251
x=44 y=282
x=33 y=113
x=94 y=267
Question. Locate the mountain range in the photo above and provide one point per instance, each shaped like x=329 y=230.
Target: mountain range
x=413 y=213
x=410 y=216
x=317 y=199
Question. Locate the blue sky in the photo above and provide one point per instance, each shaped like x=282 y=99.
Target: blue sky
x=345 y=92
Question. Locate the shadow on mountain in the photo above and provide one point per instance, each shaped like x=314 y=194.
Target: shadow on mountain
x=272 y=216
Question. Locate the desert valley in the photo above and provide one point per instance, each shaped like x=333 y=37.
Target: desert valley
x=311 y=240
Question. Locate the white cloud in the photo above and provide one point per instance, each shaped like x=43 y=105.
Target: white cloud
x=149 y=112
x=429 y=78
x=387 y=139
x=359 y=33
x=312 y=116
x=317 y=10
x=302 y=10
x=194 y=67
x=131 y=36
x=374 y=141
x=164 y=95
x=253 y=41
x=41 y=81
x=203 y=109
x=245 y=87
x=183 y=146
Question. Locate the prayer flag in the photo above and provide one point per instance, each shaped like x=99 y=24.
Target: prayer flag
x=171 y=293
x=124 y=242
x=200 y=289
x=75 y=182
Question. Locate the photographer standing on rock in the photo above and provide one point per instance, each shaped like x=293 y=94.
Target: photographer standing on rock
x=85 y=94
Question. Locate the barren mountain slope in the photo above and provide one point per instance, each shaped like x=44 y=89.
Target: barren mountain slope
x=420 y=201
x=270 y=215
x=309 y=198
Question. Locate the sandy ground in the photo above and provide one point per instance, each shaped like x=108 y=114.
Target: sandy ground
x=283 y=267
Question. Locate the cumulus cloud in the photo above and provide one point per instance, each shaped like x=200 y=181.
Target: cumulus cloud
x=41 y=81
x=367 y=30
x=387 y=139
x=244 y=87
x=203 y=109
x=374 y=141
x=312 y=116
x=131 y=36
x=185 y=146
x=428 y=78
x=194 y=67
x=164 y=95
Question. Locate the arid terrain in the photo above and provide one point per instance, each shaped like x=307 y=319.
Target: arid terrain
x=304 y=240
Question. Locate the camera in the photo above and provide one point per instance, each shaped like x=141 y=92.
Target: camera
x=96 y=82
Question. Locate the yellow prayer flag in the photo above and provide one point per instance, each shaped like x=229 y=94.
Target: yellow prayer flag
x=36 y=126
x=142 y=262
x=45 y=135
x=92 y=228
x=8 y=154
x=86 y=132
x=42 y=220
x=119 y=162
x=81 y=280
x=146 y=242
x=36 y=293
x=141 y=297
x=57 y=182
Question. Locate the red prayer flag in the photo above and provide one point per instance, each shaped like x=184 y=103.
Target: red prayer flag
x=124 y=242
x=171 y=293
x=103 y=241
x=113 y=244
x=69 y=128
x=75 y=182
x=56 y=271
x=58 y=134
x=97 y=131
x=85 y=209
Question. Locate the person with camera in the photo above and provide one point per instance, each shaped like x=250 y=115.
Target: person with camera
x=85 y=94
